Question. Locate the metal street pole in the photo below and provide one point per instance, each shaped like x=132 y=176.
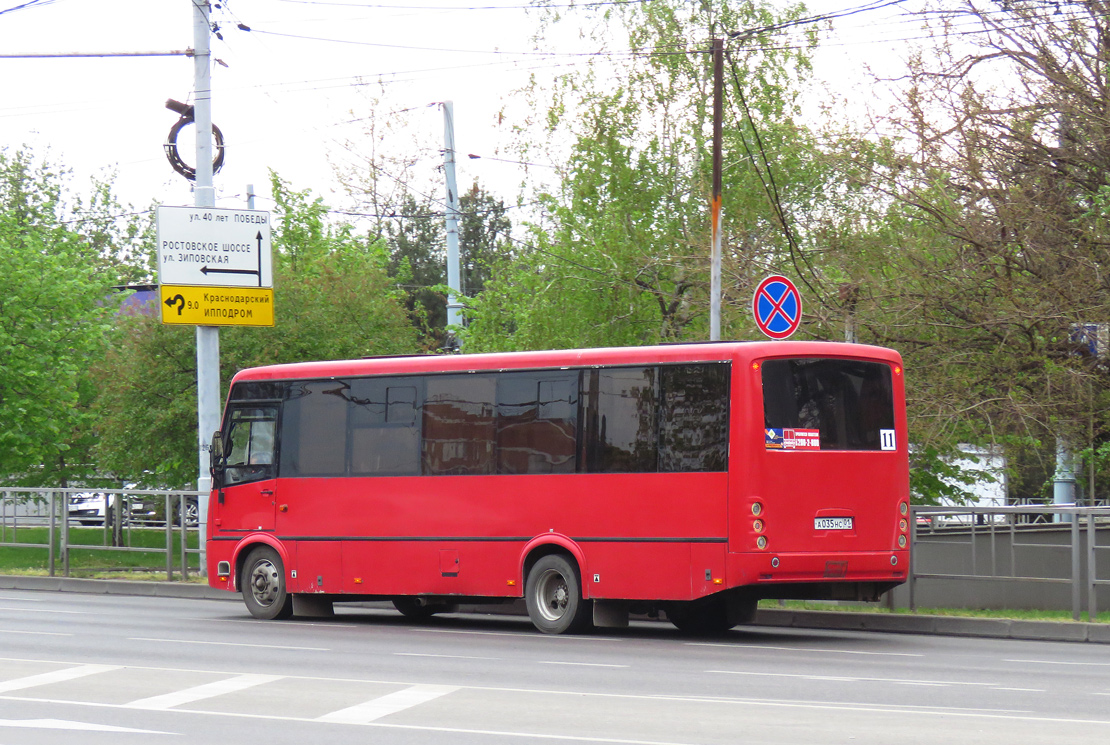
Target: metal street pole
x=204 y=195
x=453 y=305
x=715 y=202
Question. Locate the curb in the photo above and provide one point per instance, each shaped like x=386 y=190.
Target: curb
x=115 y=587
x=981 y=628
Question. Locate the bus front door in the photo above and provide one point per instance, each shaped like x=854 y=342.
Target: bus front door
x=247 y=498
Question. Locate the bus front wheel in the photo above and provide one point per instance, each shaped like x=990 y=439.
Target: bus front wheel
x=263 y=585
x=553 y=595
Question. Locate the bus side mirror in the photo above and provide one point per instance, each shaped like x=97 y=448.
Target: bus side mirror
x=216 y=455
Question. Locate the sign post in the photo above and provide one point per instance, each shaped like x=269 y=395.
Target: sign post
x=777 y=307
x=214 y=269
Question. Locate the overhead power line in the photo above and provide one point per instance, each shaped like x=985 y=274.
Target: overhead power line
x=378 y=6
x=27 y=5
x=55 y=55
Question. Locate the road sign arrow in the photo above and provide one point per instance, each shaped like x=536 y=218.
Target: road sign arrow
x=177 y=300
x=205 y=270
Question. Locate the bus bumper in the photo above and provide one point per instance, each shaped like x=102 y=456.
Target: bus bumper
x=765 y=568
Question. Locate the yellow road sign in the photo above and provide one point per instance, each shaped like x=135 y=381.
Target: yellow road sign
x=217 y=306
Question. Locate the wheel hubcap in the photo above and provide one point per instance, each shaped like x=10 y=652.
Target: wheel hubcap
x=265 y=583
x=553 y=595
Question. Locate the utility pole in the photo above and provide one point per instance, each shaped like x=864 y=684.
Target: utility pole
x=204 y=195
x=452 y=221
x=715 y=200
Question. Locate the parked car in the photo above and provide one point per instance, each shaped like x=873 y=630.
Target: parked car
x=91 y=508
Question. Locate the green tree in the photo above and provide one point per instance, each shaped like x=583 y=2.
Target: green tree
x=620 y=254
x=484 y=237
x=417 y=261
x=418 y=254
x=58 y=263
x=333 y=300
x=996 y=201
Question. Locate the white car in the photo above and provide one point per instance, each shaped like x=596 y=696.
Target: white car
x=90 y=508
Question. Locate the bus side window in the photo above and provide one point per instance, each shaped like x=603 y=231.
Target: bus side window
x=537 y=416
x=250 y=448
x=385 y=431
x=693 y=425
x=621 y=420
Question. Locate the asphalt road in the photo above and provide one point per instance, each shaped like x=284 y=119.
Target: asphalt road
x=110 y=669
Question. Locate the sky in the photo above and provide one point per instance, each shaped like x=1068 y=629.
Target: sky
x=294 y=92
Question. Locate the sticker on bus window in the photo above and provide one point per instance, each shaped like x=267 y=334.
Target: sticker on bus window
x=886 y=439
x=792 y=439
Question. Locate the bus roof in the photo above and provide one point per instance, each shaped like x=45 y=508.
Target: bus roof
x=741 y=352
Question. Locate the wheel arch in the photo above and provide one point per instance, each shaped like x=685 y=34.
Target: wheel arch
x=244 y=548
x=553 y=543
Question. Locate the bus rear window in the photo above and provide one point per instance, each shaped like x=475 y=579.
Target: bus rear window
x=827 y=404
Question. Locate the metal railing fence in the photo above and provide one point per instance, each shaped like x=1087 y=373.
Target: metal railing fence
x=1005 y=534
x=126 y=517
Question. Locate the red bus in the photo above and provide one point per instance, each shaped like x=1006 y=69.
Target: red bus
x=690 y=480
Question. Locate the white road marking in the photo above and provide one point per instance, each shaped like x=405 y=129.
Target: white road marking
x=370 y=711
x=1055 y=662
x=222 y=644
x=78 y=726
x=924 y=712
x=855 y=679
x=55 y=676
x=579 y=664
x=803 y=649
x=444 y=656
x=1022 y=690
x=35 y=633
x=48 y=610
x=201 y=692
x=284 y=623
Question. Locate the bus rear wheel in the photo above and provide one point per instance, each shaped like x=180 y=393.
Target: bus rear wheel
x=704 y=617
x=263 y=585
x=417 y=608
x=553 y=595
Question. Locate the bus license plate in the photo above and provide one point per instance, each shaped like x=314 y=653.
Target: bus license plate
x=832 y=523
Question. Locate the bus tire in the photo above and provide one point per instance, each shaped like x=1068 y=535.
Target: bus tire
x=413 y=607
x=553 y=595
x=263 y=585
x=704 y=617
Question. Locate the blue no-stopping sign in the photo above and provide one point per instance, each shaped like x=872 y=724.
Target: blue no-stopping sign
x=777 y=307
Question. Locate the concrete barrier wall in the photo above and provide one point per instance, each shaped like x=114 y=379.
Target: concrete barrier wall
x=1005 y=566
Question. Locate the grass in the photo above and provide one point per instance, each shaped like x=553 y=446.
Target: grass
x=100 y=559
